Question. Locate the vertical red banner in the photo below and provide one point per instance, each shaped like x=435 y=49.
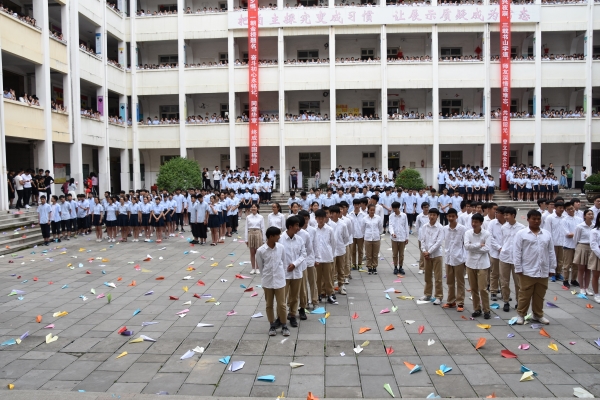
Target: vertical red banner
x=505 y=89
x=253 y=83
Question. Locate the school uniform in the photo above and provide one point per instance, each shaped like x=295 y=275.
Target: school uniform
x=431 y=242
x=214 y=220
x=276 y=220
x=582 y=239
x=341 y=235
x=507 y=266
x=158 y=220
x=97 y=211
x=201 y=218
x=65 y=215
x=270 y=262
x=255 y=230
x=111 y=215
x=45 y=213
x=570 y=226
x=478 y=262
x=556 y=226
x=324 y=243
x=454 y=251
x=357 y=245
x=145 y=208
x=55 y=224
x=398 y=227
x=372 y=229
x=495 y=228
x=134 y=219
x=193 y=218
x=82 y=212
x=179 y=200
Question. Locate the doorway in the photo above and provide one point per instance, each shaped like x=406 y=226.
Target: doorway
x=309 y=164
x=394 y=161
x=368 y=108
x=452 y=159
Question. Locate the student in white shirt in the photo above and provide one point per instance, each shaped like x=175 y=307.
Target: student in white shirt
x=56 y=220
x=495 y=228
x=555 y=224
x=294 y=256
x=477 y=245
x=431 y=247
x=583 y=251
x=444 y=204
x=421 y=220
x=372 y=227
x=507 y=267
x=570 y=223
x=398 y=226
x=535 y=261
x=255 y=234
x=341 y=235
x=269 y=259
x=454 y=248
x=323 y=251
x=276 y=218
x=308 y=290
x=44 y=211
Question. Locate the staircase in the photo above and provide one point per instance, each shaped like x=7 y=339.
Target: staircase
x=19 y=230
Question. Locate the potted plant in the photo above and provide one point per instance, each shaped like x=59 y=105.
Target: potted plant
x=410 y=179
x=592 y=187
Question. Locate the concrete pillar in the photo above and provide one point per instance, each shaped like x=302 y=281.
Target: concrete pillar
x=125 y=170
x=3 y=167
x=135 y=152
x=384 y=121
x=332 y=102
x=75 y=150
x=232 y=101
x=537 y=96
x=435 y=97
x=104 y=151
x=280 y=66
x=182 y=60
x=587 y=96
x=487 y=102
x=42 y=81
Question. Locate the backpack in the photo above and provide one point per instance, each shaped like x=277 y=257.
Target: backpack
x=65 y=188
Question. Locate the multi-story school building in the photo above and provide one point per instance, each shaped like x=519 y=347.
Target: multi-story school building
x=360 y=85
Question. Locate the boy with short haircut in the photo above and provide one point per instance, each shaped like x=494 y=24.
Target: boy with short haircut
x=294 y=256
x=73 y=214
x=339 y=252
x=193 y=218
x=82 y=211
x=431 y=247
x=570 y=222
x=65 y=214
x=422 y=219
x=323 y=249
x=398 y=226
x=347 y=259
x=495 y=228
x=56 y=220
x=554 y=224
x=477 y=244
x=269 y=259
x=454 y=247
x=444 y=205
x=535 y=261
x=306 y=233
x=507 y=267
x=44 y=211
x=357 y=245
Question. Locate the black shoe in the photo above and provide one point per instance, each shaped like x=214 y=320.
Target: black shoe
x=506 y=307
x=277 y=323
x=370 y=271
x=285 y=331
x=566 y=284
x=374 y=271
x=516 y=305
x=395 y=270
x=59 y=240
x=574 y=283
x=333 y=295
x=494 y=297
x=302 y=314
x=293 y=322
x=272 y=331
x=331 y=300
x=476 y=314
x=401 y=271
x=486 y=315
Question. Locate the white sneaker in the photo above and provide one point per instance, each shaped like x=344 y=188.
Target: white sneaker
x=252 y=272
x=346 y=281
x=466 y=276
x=581 y=291
x=589 y=292
x=425 y=298
x=343 y=290
x=27 y=206
x=146 y=240
x=597 y=298
x=542 y=320
x=437 y=302
x=520 y=320
x=420 y=271
x=257 y=271
x=140 y=235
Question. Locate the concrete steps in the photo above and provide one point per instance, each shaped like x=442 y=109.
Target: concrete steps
x=19 y=230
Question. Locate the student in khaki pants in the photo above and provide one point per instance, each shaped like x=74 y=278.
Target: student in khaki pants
x=294 y=256
x=495 y=228
x=269 y=259
x=555 y=225
x=348 y=259
x=477 y=244
x=454 y=246
x=509 y=231
x=323 y=251
x=535 y=261
x=431 y=247
x=398 y=227
x=308 y=289
x=358 y=242
x=372 y=227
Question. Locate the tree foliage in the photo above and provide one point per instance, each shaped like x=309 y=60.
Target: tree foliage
x=592 y=183
x=410 y=179
x=179 y=173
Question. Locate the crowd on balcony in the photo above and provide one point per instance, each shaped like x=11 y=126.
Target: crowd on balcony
x=220 y=64
x=158 y=66
x=213 y=119
x=23 y=18
x=88 y=50
x=463 y=58
x=409 y=115
x=306 y=117
x=357 y=117
x=57 y=36
x=408 y=59
x=161 y=121
x=91 y=114
x=547 y=113
x=312 y=61
x=58 y=107
x=113 y=6
x=244 y=63
x=461 y=115
x=114 y=63
x=30 y=100
x=204 y=10
x=144 y=13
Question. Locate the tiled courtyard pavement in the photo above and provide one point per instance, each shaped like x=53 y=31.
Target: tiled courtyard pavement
x=84 y=356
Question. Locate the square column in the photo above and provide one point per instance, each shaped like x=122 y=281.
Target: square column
x=124 y=169
x=3 y=167
x=435 y=98
x=280 y=66
x=75 y=150
x=332 y=100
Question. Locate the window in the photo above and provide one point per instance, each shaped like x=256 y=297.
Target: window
x=596 y=50
x=245 y=57
x=365 y=54
x=309 y=164
x=392 y=52
x=451 y=106
x=530 y=51
x=170 y=59
x=514 y=156
x=368 y=155
x=513 y=52
x=225 y=162
x=393 y=106
x=223 y=6
x=596 y=103
x=308 y=3
x=451 y=51
x=595 y=161
x=452 y=159
x=142 y=172
x=368 y=108
x=223 y=57
x=163 y=160
x=530 y=106
x=514 y=106
x=394 y=161
x=169 y=112
x=170 y=7
x=309 y=107
x=308 y=55
x=224 y=110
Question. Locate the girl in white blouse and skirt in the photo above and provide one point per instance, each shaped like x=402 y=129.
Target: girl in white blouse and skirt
x=372 y=227
x=255 y=233
x=276 y=218
x=583 y=250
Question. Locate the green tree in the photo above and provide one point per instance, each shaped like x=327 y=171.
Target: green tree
x=410 y=179
x=179 y=173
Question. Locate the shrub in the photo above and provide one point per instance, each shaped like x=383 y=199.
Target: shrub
x=410 y=179
x=592 y=183
x=179 y=173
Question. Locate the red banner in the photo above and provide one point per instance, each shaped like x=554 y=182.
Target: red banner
x=505 y=88
x=253 y=83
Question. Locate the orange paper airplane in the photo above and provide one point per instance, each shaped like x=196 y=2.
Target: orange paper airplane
x=364 y=329
x=544 y=333
x=409 y=365
x=132 y=283
x=389 y=327
x=480 y=343
x=38 y=319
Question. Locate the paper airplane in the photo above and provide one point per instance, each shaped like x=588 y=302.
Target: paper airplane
x=582 y=393
x=266 y=378
x=203 y=325
x=50 y=338
x=527 y=376
x=225 y=360
x=430 y=342
x=296 y=364
x=236 y=366
x=523 y=347
x=188 y=354
x=149 y=323
x=257 y=315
